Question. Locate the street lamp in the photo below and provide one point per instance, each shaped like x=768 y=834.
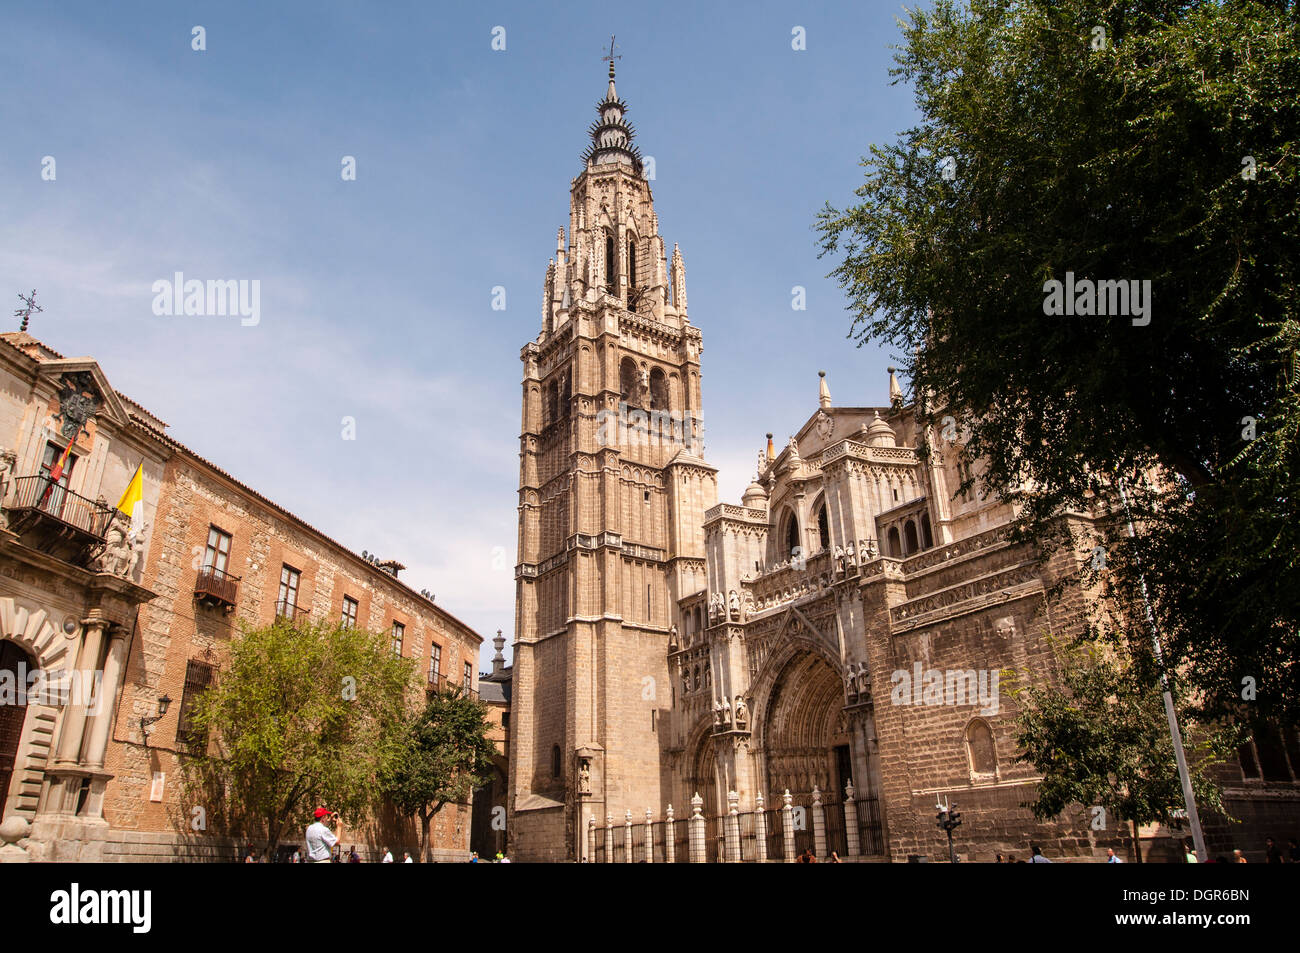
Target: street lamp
x=948 y=821
x=163 y=704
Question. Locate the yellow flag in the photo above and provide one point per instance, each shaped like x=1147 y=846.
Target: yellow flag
x=132 y=502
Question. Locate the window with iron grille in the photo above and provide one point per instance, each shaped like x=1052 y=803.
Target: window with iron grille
x=435 y=662
x=469 y=677
x=349 y=612
x=399 y=631
x=198 y=679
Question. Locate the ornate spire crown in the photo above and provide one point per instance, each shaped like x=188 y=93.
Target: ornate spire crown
x=611 y=135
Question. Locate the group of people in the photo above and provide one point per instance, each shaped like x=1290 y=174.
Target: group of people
x=1272 y=853
x=325 y=846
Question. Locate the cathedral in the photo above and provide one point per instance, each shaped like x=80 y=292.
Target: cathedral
x=821 y=659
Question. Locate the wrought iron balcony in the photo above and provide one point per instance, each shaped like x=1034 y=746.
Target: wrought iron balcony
x=57 y=520
x=290 y=612
x=217 y=588
x=438 y=683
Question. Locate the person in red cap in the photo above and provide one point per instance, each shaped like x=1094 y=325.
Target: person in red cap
x=320 y=839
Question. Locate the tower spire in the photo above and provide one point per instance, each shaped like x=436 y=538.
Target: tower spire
x=611 y=135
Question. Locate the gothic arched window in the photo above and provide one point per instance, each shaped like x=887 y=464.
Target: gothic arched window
x=910 y=544
x=895 y=545
x=628 y=381
x=658 y=390
x=611 y=264
x=566 y=394
x=927 y=537
x=980 y=748
x=552 y=402
x=791 y=535
x=631 y=263
x=557 y=762
x=823 y=527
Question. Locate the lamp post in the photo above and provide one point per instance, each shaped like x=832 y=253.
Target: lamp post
x=948 y=821
x=163 y=704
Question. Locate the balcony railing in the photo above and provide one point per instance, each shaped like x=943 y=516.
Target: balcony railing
x=216 y=587
x=443 y=683
x=290 y=612
x=39 y=501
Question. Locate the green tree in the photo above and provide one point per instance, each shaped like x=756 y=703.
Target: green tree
x=438 y=758
x=1101 y=739
x=298 y=718
x=1119 y=141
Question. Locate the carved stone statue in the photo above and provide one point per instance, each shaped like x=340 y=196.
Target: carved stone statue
x=734 y=603
x=867 y=549
x=672 y=639
x=742 y=714
x=726 y=712
x=715 y=606
x=137 y=550
x=839 y=559
x=584 y=776
x=118 y=557
x=8 y=461
x=717 y=712
x=849 y=558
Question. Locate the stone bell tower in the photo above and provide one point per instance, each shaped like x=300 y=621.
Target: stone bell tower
x=612 y=494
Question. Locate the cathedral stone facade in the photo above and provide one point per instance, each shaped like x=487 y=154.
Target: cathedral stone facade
x=836 y=642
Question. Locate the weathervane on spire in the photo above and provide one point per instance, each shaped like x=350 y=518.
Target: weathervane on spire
x=611 y=56
x=29 y=305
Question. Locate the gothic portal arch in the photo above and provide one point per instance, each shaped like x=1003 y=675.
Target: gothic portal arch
x=801 y=733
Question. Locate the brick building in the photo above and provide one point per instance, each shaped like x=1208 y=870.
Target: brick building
x=77 y=593
x=834 y=642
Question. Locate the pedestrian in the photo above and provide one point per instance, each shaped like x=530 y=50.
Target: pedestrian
x=997 y=859
x=473 y=857
x=297 y=857
x=1189 y=854
x=353 y=856
x=1112 y=857
x=1038 y=858
x=406 y=857
x=1272 y=852
x=320 y=839
x=1294 y=850
x=1239 y=858
x=505 y=859
x=834 y=858
x=388 y=856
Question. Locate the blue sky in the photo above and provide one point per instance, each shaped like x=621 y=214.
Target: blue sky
x=376 y=293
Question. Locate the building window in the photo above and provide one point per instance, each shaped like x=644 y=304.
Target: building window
x=399 y=631
x=54 y=502
x=505 y=720
x=198 y=679
x=435 y=662
x=895 y=545
x=823 y=527
x=557 y=763
x=927 y=537
x=469 y=677
x=217 y=554
x=910 y=544
x=287 y=604
x=659 y=399
x=611 y=265
x=349 y=619
x=792 y=535
x=631 y=263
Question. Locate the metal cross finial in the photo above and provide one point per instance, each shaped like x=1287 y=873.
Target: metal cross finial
x=29 y=305
x=611 y=58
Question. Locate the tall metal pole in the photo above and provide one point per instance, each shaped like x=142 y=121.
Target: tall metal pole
x=1189 y=798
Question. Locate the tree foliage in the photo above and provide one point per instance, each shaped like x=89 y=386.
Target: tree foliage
x=298 y=718
x=1128 y=141
x=440 y=755
x=1100 y=738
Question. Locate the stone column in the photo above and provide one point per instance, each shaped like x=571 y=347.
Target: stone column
x=74 y=716
x=697 y=830
x=819 y=825
x=731 y=832
x=787 y=826
x=760 y=829
x=670 y=838
x=609 y=838
x=591 y=839
x=649 y=837
x=627 y=839
x=105 y=696
x=851 y=821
